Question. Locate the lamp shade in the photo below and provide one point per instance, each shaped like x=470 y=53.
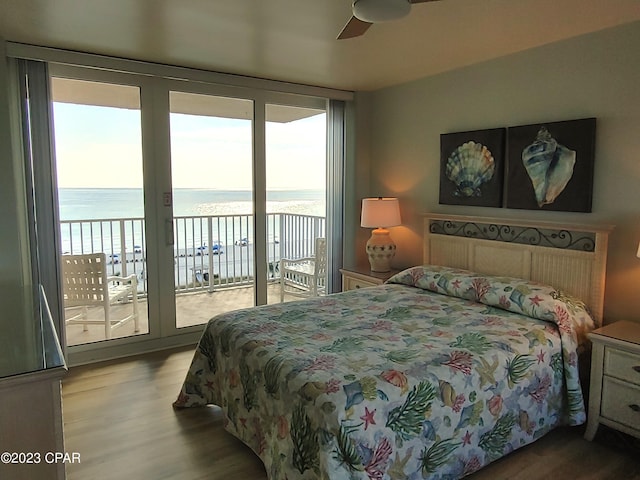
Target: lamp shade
x=380 y=212
x=374 y=11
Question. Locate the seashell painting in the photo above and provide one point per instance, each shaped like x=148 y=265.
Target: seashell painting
x=469 y=167
x=472 y=167
x=549 y=166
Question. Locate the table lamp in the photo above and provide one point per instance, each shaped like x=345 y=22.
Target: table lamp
x=380 y=213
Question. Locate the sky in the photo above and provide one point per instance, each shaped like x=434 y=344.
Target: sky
x=100 y=147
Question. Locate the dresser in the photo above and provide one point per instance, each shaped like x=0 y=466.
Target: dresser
x=614 y=399
x=31 y=370
x=362 y=277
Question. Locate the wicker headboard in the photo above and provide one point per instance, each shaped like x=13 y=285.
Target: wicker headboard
x=572 y=258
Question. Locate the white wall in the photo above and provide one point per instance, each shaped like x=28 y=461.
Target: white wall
x=596 y=75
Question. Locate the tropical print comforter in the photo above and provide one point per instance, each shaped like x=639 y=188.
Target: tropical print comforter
x=432 y=375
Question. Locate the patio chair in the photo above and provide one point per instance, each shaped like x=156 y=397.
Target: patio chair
x=86 y=284
x=305 y=277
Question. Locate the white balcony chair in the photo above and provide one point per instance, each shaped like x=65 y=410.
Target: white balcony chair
x=305 y=277
x=86 y=284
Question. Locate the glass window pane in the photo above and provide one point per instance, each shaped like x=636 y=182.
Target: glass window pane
x=296 y=168
x=100 y=190
x=212 y=178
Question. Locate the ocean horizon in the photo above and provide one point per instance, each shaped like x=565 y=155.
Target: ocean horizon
x=104 y=203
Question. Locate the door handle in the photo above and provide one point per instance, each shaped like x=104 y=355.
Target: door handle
x=168 y=232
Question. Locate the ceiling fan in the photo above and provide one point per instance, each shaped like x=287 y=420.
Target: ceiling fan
x=368 y=12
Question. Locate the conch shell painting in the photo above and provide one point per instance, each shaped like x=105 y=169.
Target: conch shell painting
x=469 y=167
x=549 y=166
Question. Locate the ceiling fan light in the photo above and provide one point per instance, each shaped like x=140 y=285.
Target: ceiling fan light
x=374 y=11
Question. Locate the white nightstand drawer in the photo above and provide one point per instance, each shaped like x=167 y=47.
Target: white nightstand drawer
x=353 y=284
x=615 y=386
x=621 y=402
x=355 y=278
x=622 y=365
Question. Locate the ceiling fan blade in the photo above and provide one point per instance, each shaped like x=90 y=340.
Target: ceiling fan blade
x=422 y=1
x=354 y=28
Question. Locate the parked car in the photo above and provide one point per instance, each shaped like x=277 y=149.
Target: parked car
x=243 y=242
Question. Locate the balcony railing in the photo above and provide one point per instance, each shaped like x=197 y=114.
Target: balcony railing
x=209 y=251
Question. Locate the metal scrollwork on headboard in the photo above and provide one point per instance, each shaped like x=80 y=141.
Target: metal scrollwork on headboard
x=556 y=238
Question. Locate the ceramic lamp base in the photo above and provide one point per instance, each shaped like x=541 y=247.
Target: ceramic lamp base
x=380 y=250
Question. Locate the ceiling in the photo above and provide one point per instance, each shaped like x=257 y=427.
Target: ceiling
x=83 y=92
x=295 y=40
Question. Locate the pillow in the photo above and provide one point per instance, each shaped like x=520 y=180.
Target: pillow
x=517 y=295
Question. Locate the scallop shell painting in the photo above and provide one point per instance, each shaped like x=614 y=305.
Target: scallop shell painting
x=469 y=167
x=472 y=167
x=549 y=165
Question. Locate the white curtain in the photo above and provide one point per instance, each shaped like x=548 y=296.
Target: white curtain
x=41 y=183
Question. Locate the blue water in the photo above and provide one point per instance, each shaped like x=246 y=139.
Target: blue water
x=103 y=203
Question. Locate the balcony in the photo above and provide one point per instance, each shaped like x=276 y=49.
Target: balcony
x=213 y=261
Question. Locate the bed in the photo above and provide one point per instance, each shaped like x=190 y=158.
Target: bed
x=447 y=367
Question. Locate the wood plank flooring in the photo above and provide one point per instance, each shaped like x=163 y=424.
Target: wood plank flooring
x=118 y=416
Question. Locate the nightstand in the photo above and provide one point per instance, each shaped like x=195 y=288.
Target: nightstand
x=614 y=399
x=362 y=277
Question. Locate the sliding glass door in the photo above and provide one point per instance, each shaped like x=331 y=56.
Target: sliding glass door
x=98 y=146
x=296 y=184
x=191 y=192
x=241 y=204
x=212 y=190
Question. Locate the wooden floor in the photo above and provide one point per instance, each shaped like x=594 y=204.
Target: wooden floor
x=118 y=417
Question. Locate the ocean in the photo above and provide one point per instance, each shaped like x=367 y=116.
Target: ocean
x=109 y=203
